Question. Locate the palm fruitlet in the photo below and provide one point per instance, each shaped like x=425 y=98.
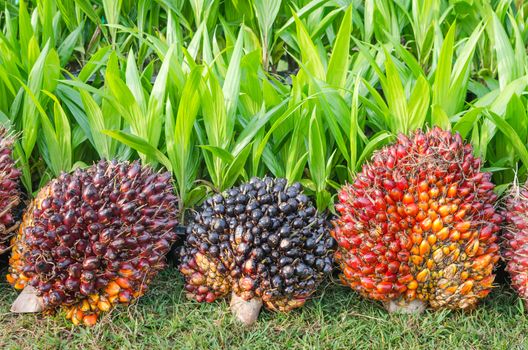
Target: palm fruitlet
x=95 y=238
x=515 y=239
x=9 y=189
x=263 y=242
x=418 y=226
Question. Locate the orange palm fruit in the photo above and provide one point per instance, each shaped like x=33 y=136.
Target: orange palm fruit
x=446 y=243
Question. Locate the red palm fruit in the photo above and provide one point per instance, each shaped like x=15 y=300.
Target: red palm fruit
x=9 y=189
x=442 y=240
x=79 y=242
x=515 y=239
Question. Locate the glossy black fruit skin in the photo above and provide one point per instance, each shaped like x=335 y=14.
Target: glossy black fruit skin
x=261 y=239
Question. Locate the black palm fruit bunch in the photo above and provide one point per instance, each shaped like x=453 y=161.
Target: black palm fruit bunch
x=262 y=241
x=95 y=238
x=9 y=189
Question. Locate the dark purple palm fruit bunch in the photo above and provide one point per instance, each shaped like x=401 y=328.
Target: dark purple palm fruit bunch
x=515 y=239
x=262 y=241
x=95 y=238
x=9 y=189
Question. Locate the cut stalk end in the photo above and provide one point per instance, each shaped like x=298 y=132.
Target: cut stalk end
x=404 y=307
x=245 y=311
x=28 y=301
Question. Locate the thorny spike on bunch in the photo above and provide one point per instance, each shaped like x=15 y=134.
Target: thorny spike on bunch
x=262 y=240
x=419 y=223
x=515 y=239
x=9 y=189
x=95 y=238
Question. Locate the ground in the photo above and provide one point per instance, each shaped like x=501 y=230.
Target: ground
x=336 y=318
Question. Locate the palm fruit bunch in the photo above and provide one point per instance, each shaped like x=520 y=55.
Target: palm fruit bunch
x=515 y=239
x=9 y=189
x=262 y=240
x=418 y=225
x=95 y=238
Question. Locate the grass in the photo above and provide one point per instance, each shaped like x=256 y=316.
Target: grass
x=336 y=318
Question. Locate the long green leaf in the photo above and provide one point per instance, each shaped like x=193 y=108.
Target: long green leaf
x=339 y=60
x=139 y=145
x=511 y=135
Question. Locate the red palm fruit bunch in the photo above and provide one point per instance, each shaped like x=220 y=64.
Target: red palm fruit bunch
x=262 y=241
x=515 y=239
x=9 y=189
x=419 y=225
x=95 y=238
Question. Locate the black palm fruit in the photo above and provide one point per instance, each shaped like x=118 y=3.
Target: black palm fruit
x=262 y=240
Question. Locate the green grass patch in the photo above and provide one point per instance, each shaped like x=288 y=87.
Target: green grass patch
x=336 y=318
